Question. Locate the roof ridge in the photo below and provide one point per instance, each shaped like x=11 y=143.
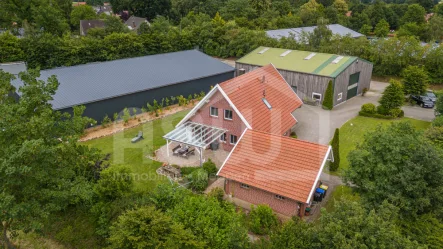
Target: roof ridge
x=289 y=138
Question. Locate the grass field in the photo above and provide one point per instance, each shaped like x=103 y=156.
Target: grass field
x=123 y=152
x=340 y=193
x=353 y=131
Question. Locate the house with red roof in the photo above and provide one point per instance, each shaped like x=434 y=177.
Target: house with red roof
x=250 y=116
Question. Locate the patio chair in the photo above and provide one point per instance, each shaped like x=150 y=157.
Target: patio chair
x=188 y=153
x=175 y=150
x=138 y=137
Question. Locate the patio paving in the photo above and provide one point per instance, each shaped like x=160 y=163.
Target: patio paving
x=217 y=156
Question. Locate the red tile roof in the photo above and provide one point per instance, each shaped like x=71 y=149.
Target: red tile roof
x=246 y=93
x=277 y=164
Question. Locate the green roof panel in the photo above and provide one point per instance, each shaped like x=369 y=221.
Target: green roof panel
x=320 y=64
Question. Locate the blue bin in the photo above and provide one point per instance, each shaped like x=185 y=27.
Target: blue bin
x=321 y=191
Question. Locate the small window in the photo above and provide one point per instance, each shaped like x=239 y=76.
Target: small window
x=279 y=197
x=245 y=186
x=339 y=96
x=316 y=96
x=233 y=139
x=294 y=88
x=214 y=111
x=228 y=114
x=223 y=137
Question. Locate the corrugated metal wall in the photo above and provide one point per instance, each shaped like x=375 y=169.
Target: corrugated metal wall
x=98 y=110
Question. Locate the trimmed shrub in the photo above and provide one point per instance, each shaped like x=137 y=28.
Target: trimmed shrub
x=369 y=108
x=382 y=110
x=375 y=115
x=198 y=179
x=335 y=143
x=210 y=167
x=395 y=113
x=393 y=96
x=262 y=220
x=328 y=101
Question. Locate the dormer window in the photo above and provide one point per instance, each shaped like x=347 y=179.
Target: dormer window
x=228 y=114
x=214 y=111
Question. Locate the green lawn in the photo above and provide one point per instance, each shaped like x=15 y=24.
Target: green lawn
x=352 y=133
x=340 y=192
x=123 y=152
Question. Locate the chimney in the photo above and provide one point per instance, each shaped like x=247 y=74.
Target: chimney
x=133 y=24
x=263 y=79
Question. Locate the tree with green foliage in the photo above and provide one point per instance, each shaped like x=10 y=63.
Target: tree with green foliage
x=50 y=19
x=426 y=229
x=410 y=29
x=310 y=12
x=341 y=6
x=10 y=49
x=42 y=167
x=114 y=182
x=435 y=135
x=335 y=144
x=439 y=105
x=350 y=225
x=320 y=35
x=415 y=13
x=143 y=8
x=115 y=25
x=209 y=166
x=435 y=28
x=198 y=179
x=328 y=101
x=82 y=12
x=366 y=29
x=382 y=28
x=260 y=6
x=147 y=227
x=415 y=80
x=217 y=193
x=199 y=214
x=393 y=96
x=399 y=165
x=295 y=233
x=262 y=220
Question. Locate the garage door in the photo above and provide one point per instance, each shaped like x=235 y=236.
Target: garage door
x=353 y=85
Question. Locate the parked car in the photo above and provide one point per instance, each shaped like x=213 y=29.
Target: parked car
x=431 y=95
x=423 y=101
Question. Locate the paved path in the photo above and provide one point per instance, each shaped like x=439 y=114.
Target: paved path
x=318 y=125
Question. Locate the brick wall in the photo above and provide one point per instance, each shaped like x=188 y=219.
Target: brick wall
x=234 y=126
x=256 y=196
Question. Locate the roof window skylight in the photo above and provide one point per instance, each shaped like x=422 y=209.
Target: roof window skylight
x=286 y=53
x=267 y=103
x=310 y=56
x=264 y=50
x=337 y=60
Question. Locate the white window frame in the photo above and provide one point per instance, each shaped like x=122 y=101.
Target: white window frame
x=316 y=94
x=340 y=96
x=224 y=114
x=223 y=136
x=231 y=138
x=279 y=197
x=244 y=186
x=210 y=111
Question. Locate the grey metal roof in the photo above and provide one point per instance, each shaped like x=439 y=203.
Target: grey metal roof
x=336 y=29
x=13 y=67
x=93 y=82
